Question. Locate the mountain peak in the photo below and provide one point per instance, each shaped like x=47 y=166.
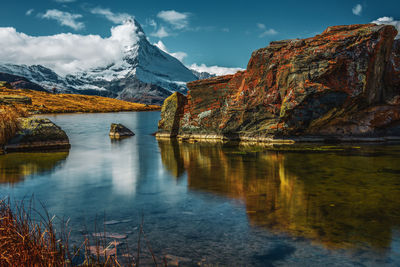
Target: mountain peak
x=139 y=29
x=142 y=72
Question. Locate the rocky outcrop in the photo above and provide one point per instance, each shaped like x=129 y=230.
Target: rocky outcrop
x=37 y=134
x=342 y=84
x=172 y=112
x=118 y=131
x=15 y=99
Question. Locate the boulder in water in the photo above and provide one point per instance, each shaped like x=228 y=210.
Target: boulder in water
x=118 y=131
x=37 y=134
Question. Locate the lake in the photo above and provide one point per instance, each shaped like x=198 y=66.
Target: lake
x=214 y=203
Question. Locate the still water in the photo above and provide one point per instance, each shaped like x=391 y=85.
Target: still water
x=218 y=204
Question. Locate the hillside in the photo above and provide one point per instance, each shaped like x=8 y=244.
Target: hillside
x=43 y=102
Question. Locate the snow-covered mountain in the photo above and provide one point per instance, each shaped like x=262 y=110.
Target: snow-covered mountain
x=202 y=75
x=145 y=74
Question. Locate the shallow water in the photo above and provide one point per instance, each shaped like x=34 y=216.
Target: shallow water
x=219 y=204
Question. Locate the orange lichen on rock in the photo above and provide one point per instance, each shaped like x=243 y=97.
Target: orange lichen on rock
x=303 y=87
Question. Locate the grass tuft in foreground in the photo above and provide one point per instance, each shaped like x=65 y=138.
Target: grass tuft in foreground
x=26 y=241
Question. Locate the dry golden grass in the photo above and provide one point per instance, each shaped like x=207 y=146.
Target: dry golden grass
x=9 y=122
x=25 y=241
x=43 y=102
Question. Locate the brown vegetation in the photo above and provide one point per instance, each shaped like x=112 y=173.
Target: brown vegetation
x=43 y=102
x=26 y=241
x=23 y=242
x=9 y=122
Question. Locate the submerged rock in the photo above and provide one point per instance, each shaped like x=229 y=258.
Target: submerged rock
x=343 y=84
x=37 y=134
x=118 y=131
x=173 y=260
x=110 y=235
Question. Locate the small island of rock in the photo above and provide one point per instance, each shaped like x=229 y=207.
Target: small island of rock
x=118 y=131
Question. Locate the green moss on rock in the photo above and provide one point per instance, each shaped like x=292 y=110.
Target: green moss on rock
x=38 y=134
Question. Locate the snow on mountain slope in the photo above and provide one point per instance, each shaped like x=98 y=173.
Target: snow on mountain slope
x=34 y=73
x=202 y=75
x=144 y=73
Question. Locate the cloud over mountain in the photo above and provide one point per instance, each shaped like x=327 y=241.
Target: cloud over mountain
x=389 y=21
x=178 y=55
x=66 y=52
x=217 y=70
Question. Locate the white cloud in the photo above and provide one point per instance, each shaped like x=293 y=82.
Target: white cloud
x=64 y=18
x=179 y=55
x=117 y=18
x=265 y=31
x=152 y=23
x=64 y=1
x=389 y=21
x=160 y=33
x=66 y=53
x=357 y=9
x=261 y=26
x=217 y=70
x=176 y=19
x=29 y=12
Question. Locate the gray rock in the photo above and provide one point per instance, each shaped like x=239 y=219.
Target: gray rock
x=15 y=99
x=118 y=131
x=37 y=134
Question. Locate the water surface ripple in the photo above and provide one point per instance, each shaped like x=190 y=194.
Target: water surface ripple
x=225 y=204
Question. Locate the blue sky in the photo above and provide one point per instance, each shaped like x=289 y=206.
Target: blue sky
x=222 y=33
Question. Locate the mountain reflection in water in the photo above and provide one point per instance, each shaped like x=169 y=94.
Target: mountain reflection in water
x=15 y=167
x=341 y=199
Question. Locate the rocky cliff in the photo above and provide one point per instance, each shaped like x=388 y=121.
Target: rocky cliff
x=341 y=84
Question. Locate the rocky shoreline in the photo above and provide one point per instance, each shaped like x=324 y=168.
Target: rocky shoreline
x=285 y=140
